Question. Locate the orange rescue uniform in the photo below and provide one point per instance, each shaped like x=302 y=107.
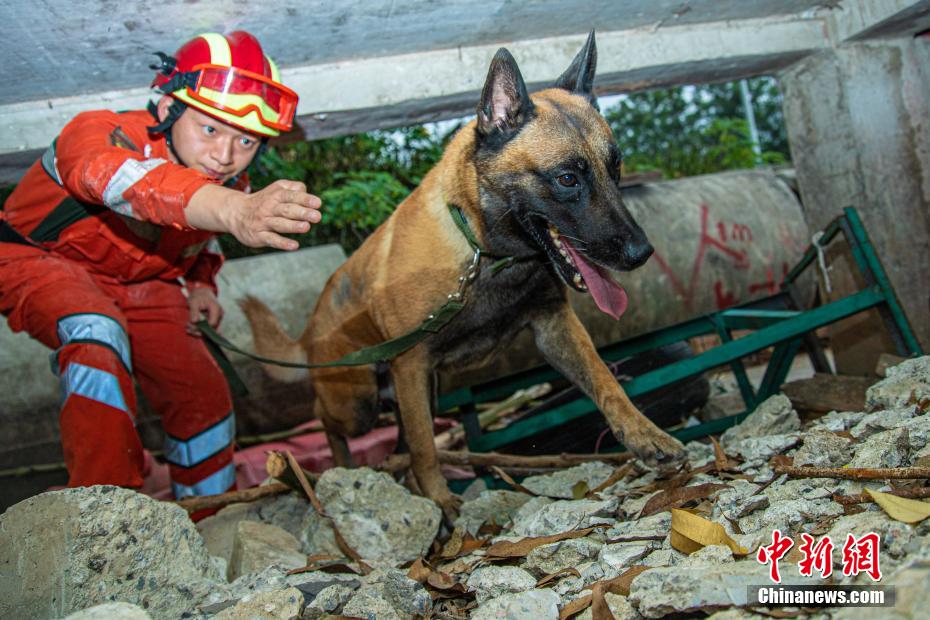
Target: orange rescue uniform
x=96 y=279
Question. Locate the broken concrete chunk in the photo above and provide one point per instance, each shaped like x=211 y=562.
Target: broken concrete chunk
x=548 y=559
x=494 y=581
x=885 y=449
x=559 y=484
x=622 y=556
x=378 y=518
x=219 y=530
x=537 y=604
x=775 y=416
x=490 y=507
x=708 y=556
x=563 y=516
x=80 y=547
x=659 y=592
x=905 y=384
x=258 y=545
x=762 y=448
x=111 y=611
x=881 y=421
x=406 y=596
x=822 y=448
x=328 y=602
x=275 y=605
x=836 y=421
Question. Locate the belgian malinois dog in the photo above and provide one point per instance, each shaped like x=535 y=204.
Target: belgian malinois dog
x=536 y=178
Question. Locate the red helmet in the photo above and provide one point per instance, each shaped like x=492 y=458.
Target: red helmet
x=230 y=78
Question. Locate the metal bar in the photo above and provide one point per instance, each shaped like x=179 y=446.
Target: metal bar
x=811 y=344
x=777 y=370
x=754 y=319
x=739 y=371
x=899 y=326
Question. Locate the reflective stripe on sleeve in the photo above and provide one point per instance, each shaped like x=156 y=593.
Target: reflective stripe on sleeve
x=130 y=173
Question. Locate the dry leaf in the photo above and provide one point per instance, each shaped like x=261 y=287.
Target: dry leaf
x=618 y=475
x=780 y=460
x=454 y=544
x=691 y=533
x=901 y=508
x=722 y=462
x=550 y=578
x=600 y=609
x=506 y=478
x=442 y=585
x=522 y=547
x=419 y=571
x=667 y=500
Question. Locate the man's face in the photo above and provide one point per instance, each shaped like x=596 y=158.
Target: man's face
x=208 y=145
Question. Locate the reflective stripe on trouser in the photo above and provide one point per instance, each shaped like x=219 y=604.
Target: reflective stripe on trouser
x=98 y=432
x=190 y=459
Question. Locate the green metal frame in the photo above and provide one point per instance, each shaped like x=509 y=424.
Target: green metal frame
x=778 y=321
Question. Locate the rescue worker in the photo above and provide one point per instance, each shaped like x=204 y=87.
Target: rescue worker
x=96 y=238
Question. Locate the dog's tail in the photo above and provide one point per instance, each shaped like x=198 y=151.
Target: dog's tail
x=270 y=340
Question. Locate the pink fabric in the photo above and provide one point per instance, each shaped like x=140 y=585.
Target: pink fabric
x=311 y=451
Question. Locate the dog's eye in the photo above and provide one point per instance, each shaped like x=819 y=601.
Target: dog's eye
x=568 y=180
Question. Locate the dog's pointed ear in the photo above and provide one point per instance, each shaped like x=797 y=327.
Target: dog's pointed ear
x=505 y=104
x=579 y=77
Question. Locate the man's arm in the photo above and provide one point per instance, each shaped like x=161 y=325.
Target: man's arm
x=158 y=191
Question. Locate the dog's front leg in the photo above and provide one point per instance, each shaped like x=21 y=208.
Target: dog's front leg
x=411 y=373
x=566 y=344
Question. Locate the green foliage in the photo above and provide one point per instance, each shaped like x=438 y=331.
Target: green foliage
x=698 y=130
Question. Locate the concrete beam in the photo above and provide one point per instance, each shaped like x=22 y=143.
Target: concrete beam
x=857 y=20
x=437 y=84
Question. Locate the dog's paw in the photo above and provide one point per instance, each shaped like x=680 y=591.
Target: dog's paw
x=656 y=448
x=450 y=505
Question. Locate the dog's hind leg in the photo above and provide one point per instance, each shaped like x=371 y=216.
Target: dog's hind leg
x=412 y=384
x=339 y=446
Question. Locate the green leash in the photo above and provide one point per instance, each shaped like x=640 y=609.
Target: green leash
x=383 y=352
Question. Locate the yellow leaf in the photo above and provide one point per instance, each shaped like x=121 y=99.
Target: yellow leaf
x=691 y=532
x=580 y=489
x=901 y=508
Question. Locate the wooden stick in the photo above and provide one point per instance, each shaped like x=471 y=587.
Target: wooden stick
x=193 y=504
x=864 y=498
x=397 y=462
x=856 y=473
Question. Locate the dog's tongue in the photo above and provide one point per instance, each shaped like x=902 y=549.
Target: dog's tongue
x=608 y=295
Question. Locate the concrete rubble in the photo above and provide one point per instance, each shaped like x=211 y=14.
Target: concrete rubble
x=104 y=552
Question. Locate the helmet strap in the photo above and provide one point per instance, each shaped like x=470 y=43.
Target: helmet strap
x=164 y=127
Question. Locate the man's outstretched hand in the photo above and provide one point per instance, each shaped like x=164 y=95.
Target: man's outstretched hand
x=259 y=219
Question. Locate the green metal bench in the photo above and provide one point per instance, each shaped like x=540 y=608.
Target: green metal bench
x=777 y=321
